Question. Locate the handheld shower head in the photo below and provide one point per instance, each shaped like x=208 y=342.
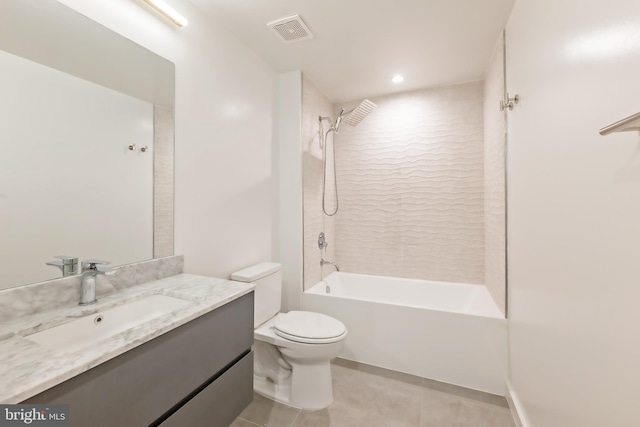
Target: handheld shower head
x=338 y=121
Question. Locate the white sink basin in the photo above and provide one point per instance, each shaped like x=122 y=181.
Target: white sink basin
x=83 y=332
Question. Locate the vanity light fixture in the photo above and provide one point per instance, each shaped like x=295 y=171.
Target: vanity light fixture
x=169 y=12
x=397 y=78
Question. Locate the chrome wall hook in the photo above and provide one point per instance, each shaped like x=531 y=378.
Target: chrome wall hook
x=508 y=103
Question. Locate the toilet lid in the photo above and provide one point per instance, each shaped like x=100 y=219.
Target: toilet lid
x=309 y=327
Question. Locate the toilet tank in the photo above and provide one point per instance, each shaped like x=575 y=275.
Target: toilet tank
x=267 y=278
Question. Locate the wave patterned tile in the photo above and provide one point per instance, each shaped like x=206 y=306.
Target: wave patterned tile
x=411 y=185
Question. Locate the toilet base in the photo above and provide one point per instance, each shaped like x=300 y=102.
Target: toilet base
x=294 y=373
x=267 y=388
x=311 y=385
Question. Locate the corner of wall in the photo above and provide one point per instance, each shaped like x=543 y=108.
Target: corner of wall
x=289 y=165
x=517 y=410
x=495 y=179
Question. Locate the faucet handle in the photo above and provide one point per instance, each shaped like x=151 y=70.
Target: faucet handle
x=66 y=260
x=322 y=241
x=87 y=262
x=107 y=271
x=96 y=265
x=68 y=264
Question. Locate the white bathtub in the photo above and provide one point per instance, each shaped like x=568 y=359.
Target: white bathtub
x=448 y=332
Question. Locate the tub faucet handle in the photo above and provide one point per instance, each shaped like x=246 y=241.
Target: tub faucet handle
x=322 y=241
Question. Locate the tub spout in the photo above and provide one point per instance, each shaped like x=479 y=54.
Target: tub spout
x=323 y=262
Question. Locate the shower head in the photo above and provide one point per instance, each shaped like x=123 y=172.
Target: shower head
x=355 y=116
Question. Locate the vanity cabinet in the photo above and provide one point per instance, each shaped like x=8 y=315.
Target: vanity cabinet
x=199 y=374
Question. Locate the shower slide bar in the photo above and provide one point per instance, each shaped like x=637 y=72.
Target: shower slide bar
x=631 y=123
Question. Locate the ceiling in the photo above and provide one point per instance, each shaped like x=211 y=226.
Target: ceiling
x=360 y=44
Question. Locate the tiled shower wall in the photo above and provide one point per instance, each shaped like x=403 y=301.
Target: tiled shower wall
x=494 y=182
x=315 y=104
x=411 y=184
x=163 y=191
x=421 y=185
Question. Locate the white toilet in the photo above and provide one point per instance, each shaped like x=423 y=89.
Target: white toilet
x=291 y=350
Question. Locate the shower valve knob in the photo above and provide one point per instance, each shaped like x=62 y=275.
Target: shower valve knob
x=322 y=242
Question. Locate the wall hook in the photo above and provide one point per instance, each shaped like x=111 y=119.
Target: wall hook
x=508 y=103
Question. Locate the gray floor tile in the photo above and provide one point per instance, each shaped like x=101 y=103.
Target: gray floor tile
x=335 y=416
x=440 y=409
x=366 y=396
x=465 y=393
x=239 y=422
x=475 y=414
x=267 y=413
x=381 y=372
x=365 y=399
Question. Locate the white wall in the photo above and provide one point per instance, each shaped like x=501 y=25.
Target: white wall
x=574 y=213
x=225 y=99
x=290 y=202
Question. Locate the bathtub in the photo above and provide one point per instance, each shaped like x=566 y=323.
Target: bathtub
x=448 y=332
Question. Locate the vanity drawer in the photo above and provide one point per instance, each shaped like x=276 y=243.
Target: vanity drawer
x=220 y=402
x=140 y=386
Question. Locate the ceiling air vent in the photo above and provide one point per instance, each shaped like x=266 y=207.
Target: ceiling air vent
x=291 y=29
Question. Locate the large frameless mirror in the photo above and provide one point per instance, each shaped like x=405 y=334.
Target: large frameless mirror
x=86 y=143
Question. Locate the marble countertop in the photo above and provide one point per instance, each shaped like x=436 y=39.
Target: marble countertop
x=27 y=368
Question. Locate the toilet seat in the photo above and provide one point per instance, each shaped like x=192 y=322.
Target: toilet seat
x=309 y=327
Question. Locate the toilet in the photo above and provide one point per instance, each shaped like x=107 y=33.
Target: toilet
x=292 y=350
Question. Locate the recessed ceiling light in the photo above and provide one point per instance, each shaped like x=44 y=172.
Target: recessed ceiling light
x=397 y=78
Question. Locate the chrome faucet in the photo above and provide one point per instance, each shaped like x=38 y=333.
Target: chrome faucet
x=90 y=269
x=68 y=265
x=323 y=262
x=322 y=245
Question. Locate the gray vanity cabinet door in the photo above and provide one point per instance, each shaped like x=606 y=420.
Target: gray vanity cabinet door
x=151 y=381
x=219 y=403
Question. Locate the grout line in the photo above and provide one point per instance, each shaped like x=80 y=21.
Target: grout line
x=422 y=410
x=293 y=422
x=252 y=423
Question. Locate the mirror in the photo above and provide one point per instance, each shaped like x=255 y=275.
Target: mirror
x=86 y=143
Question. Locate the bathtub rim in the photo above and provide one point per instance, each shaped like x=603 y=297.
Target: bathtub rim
x=314 y=290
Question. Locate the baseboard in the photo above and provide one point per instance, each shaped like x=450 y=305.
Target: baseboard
x=516 y=408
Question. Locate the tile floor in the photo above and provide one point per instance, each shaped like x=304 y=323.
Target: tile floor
x=366 y=396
